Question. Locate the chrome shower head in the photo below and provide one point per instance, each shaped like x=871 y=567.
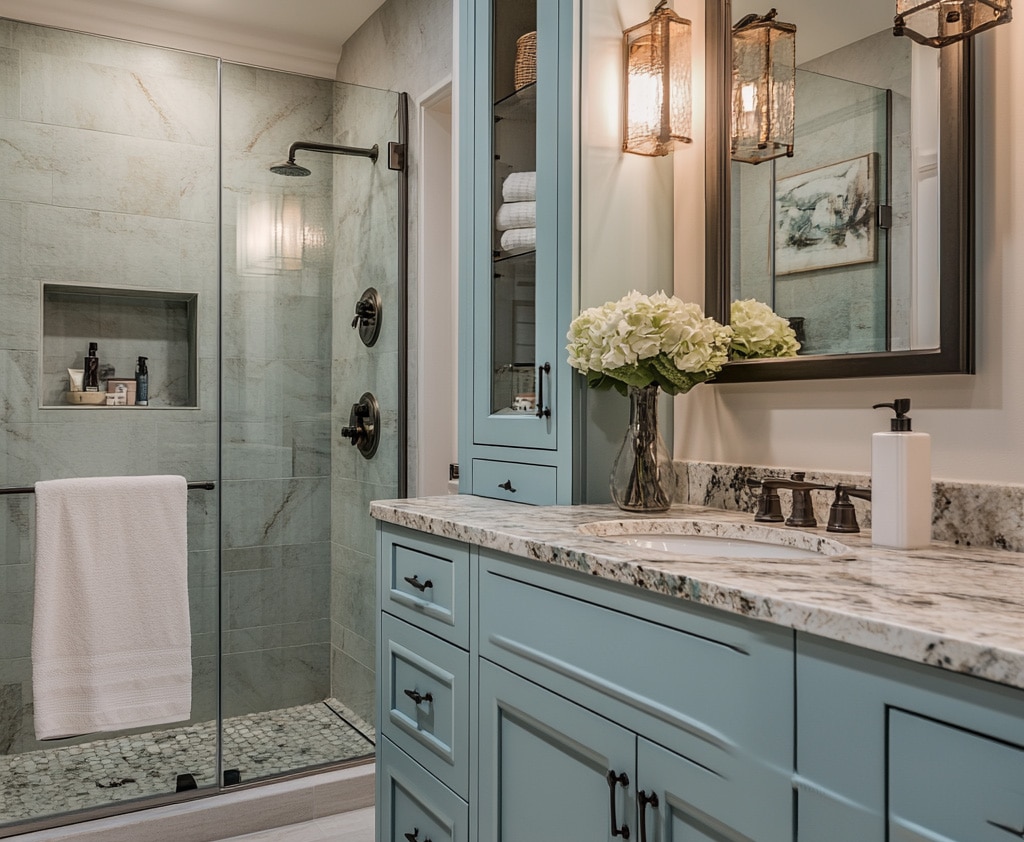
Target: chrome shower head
x=289 y=167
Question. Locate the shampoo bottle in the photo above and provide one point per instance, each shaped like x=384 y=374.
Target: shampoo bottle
x=91 y=373
x=901 y=483
x=142 y=383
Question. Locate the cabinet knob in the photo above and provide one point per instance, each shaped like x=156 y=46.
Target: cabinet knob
x=613 y=781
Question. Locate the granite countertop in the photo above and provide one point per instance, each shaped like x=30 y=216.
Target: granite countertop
x=960 y=609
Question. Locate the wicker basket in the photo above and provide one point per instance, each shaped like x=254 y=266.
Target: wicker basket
x=526 y=60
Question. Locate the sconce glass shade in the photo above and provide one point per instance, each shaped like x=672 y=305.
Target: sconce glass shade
x=763 y=88
x=658 y=110
x=936 y=23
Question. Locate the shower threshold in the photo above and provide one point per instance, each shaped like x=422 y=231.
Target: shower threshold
x=57 y=780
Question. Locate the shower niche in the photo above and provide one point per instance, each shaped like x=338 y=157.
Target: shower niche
x=126 y=323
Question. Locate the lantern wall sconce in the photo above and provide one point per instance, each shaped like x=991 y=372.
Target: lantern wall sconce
x=763 y=88
x=936 y=23
x=658 y=108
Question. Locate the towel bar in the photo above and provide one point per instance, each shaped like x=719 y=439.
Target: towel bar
x=28 y=489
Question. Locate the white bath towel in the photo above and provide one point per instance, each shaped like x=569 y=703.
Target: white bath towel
x=519 y=238
x=516 y=215
x=519 y=187
x=111 y=646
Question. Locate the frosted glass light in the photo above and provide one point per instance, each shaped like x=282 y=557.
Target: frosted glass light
x=936 y=23
x=763 y=88
x=658 y=105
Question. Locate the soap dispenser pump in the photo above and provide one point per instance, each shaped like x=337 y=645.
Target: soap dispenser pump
x=901 y=483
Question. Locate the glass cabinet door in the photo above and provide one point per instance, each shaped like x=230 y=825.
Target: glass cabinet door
x=517 y=237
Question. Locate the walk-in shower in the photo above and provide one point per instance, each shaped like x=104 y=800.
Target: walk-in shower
x=289 y=167
x=139 y=213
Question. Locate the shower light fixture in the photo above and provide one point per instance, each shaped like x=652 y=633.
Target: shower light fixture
x=657 y=112
x=936 y=23
x=763 y=88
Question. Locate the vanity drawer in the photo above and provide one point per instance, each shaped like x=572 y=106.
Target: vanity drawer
x=425 y=581
x=413 y=805
x=951 y=784
x=425 y=685
x=684 y=676
x=515 y=482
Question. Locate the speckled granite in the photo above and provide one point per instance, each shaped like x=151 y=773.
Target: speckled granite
x=971 y=514
x=949 y=606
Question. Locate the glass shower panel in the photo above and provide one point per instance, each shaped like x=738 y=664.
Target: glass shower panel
x=109 y=226
x=298 y=584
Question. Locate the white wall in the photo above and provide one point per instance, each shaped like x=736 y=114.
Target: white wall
x=977 y=422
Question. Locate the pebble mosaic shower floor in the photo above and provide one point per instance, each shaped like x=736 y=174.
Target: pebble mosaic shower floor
x=61 y=779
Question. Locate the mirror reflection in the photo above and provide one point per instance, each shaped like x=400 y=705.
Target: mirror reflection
x=842 y=237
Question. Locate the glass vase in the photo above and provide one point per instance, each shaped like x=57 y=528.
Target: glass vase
x=643 y=479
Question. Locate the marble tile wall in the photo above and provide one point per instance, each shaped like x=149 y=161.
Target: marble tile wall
x=366 y=214
x=109 y=157
x=276 y=460
x=972 y=514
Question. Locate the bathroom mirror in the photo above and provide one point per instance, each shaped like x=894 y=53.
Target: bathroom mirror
x=884 y=126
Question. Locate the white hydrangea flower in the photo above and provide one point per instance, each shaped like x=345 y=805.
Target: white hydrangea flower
x=759 y=332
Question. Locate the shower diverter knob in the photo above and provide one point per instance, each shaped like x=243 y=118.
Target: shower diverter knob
x=364 y=425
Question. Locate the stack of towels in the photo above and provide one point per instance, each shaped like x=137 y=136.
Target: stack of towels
x=517 y=216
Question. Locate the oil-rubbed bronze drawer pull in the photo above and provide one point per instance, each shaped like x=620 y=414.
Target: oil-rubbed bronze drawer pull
x=1011 y=830
x=507 y=486
x=415 y=836
x=643 y=799
x=417 y=697
x=414 y=580
x=623 y=781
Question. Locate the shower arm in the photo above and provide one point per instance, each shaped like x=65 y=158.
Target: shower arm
x=333 y=149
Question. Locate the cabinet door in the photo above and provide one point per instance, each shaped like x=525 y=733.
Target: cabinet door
x=544 y=765
x=516 y=240
x=681 y=801
x=412 y=806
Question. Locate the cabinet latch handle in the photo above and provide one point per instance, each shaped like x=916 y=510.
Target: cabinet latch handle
x=643 y=799
x=623 y=781
x=417 y=697
x=507 y=486
x=416 y=583
x=542 y=411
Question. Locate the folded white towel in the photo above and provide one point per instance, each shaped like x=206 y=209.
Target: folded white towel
x=519 y=187
x=111 y=646
x=519 y=238
x=516 y=215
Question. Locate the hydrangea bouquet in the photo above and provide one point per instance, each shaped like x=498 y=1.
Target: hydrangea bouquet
x=640 y=344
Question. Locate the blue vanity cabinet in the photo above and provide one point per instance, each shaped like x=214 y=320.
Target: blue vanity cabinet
x=518 y=398
x=571 y=667
x=425 y=687
x=893 y=750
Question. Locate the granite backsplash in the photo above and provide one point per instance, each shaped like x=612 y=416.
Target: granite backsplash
x=973 y=514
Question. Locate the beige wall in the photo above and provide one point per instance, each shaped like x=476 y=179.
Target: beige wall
x=977 y=423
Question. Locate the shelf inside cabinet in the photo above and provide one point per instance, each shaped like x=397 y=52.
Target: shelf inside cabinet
x=126 y=323
x=520 y=106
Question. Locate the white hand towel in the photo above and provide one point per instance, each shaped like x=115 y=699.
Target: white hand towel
x=519 y=238
x=516 y=215
x=111 y=646
x=519 y=187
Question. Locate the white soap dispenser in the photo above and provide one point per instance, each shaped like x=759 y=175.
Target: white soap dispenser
x=901 y=483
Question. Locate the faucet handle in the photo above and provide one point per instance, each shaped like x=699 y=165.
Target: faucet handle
x=841 y=516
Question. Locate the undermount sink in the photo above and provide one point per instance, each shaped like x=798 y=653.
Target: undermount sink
x=711 y=539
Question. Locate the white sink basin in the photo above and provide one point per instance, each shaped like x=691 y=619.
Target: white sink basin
x=715 y=540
